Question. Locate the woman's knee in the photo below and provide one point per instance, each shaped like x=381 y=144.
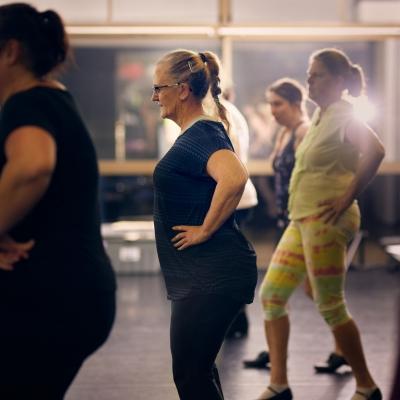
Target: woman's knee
x=330 y=300
x=274 y=304
x=334 y=314
x=188 y=373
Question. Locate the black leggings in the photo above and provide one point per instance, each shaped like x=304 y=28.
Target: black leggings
x=198 y=327
x=45 y=339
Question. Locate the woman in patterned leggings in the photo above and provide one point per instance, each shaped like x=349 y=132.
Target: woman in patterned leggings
x=334 y=163
x=286 y=98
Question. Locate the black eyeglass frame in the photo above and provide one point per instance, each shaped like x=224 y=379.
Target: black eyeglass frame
x=157 y=88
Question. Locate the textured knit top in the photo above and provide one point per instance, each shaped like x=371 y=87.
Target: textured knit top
x=325 y=162
x=68 y=255
x=226 y=263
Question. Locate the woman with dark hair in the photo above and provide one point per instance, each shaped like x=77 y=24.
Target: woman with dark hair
x=287 y=101
x=286 y=98
x=334 y=163
x=208 y=265
x=57 y=288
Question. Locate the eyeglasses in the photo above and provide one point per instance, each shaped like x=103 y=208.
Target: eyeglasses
x=157 y=88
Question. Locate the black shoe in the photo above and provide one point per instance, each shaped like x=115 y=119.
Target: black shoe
x=375 y=395
x=285 y=395
x=330 y=366
x=261 y=361
x=239 y=327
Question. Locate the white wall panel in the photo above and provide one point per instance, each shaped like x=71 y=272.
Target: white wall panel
x=74 y=11
x=379 y=11
x=165 y=11
x=390 y=75
x=275 y=11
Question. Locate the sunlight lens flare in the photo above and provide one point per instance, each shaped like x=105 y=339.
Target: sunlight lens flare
x=364 y=110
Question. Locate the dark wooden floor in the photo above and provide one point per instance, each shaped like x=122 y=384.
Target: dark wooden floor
x=135 y=362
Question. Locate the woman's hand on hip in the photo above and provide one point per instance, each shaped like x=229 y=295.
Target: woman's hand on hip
x=332 y=209
x=188 y=236
x=7 y=260
x=11 y=251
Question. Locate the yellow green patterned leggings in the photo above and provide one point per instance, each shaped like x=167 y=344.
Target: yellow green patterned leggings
x=310 y=246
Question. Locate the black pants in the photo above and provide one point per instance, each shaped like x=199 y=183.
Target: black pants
x=44 y=340
x=240 y=325
x=198 y=327
x=243 y=215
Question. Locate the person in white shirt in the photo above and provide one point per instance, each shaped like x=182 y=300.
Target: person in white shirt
x=239 y=136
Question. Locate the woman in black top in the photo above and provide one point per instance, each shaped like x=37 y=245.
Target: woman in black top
x=286 y=98
x=57 y=289
x=208 y=265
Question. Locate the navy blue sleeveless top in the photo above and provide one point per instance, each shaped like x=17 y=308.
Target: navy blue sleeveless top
x=283 y=164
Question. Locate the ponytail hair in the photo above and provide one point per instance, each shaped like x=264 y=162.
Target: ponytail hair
x=56 y=51
x=201 y=72
x=339 y=64
x=356 y=81
x=213 y=65
x=42 y=36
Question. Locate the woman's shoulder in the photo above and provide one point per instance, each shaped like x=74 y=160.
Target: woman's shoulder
x=32 y=106
x=207 y=125
x=208 y=130
x=35 y=96
x=20 y=105
x=205 y=135
x=302 y=130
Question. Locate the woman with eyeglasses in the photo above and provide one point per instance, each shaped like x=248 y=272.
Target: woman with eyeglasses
x=57 y=292
x=334 y=163
x=208 y=265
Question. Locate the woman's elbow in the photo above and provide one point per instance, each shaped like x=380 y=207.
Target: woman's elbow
x=40 y=173
x=233 y=185
x=244 y=175
x=241 y=181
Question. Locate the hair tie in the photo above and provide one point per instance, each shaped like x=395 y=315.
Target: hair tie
x=44 y=17
x=203 y=57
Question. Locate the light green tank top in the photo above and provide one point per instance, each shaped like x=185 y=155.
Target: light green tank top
x=325 y=162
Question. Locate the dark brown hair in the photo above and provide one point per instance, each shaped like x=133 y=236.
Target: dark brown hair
x=290 y=89
x=42 y=36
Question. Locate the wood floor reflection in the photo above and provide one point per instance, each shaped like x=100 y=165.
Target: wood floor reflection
x=135 y=362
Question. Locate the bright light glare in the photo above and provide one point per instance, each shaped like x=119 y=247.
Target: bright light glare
x=364 y=110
